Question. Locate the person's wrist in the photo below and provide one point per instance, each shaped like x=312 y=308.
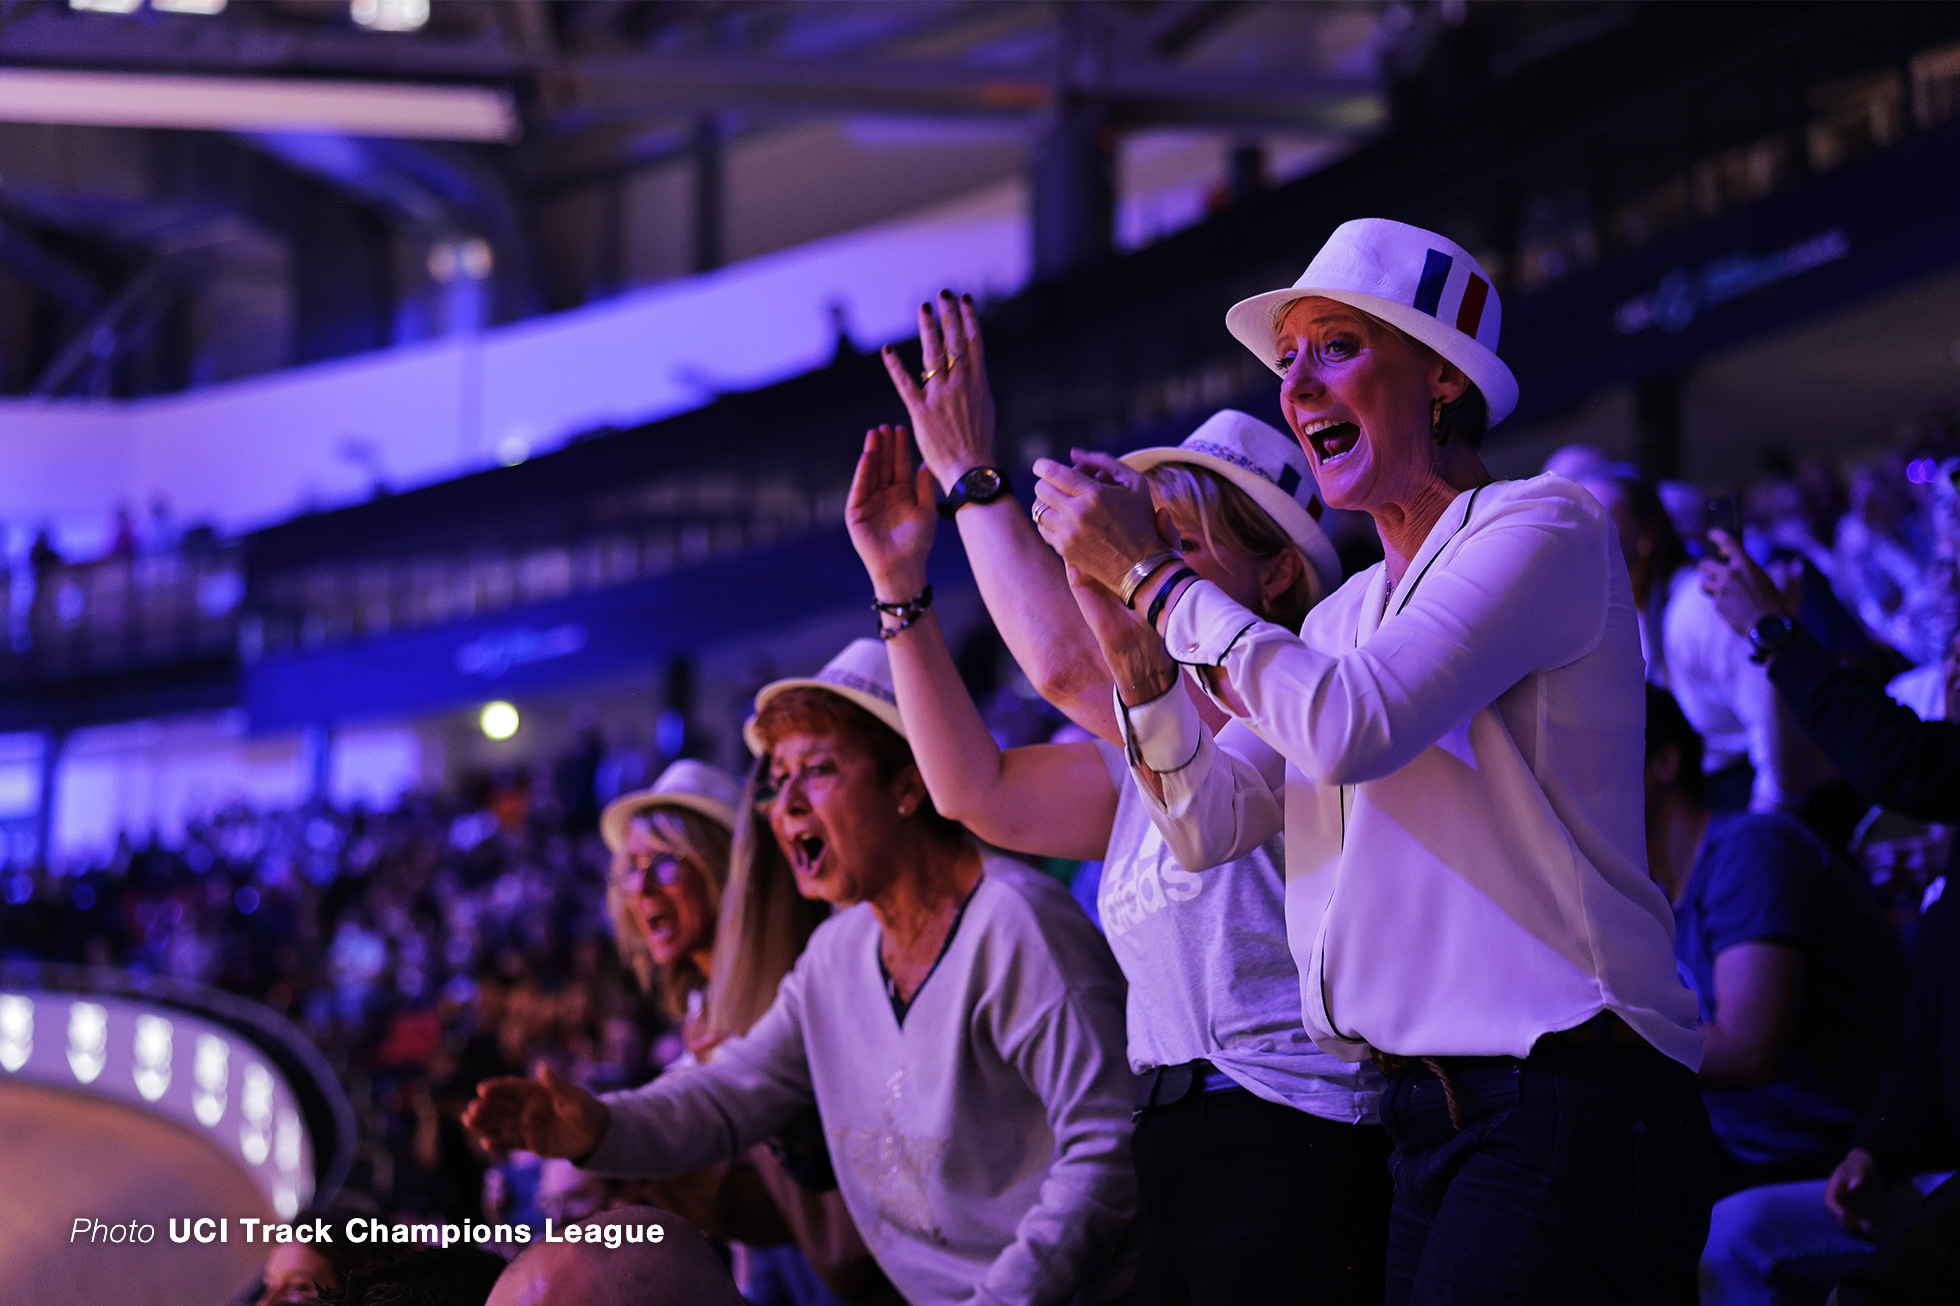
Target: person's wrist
x=947 y=471
x=899 y=584
x=1145 y=682
x=1159 y=613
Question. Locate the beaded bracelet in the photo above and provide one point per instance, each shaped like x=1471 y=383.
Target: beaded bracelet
x=906 y=610
x=1178 y=577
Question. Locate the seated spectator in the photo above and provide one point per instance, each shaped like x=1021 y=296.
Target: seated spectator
x=421 y=1276
x=681 y=1269
x=1800 y=976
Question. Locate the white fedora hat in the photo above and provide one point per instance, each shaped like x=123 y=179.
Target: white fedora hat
x=1414 y=280
x=1271 y=468
x=693 y=786
x=861 y=674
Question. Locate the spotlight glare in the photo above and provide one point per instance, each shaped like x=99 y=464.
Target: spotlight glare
x=499 y=720
x=390 y=15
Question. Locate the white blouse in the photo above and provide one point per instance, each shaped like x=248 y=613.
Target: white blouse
x=1466 y=862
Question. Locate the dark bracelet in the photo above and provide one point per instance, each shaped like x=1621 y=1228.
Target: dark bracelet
x=1178 y=577
x=907 y=611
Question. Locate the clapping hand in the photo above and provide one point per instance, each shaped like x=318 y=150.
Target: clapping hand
x=547 y=1115
x=891 y=514
x=952 y=409
x=1099 y=516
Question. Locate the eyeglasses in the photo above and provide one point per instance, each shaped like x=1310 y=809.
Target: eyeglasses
x=657 y=869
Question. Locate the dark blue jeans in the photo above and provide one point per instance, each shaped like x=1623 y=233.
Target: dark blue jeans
x=1583 y=1173
x=1246 y=1203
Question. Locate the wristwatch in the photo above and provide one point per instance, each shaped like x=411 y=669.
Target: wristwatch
x=976 y=485
x=1769 y=635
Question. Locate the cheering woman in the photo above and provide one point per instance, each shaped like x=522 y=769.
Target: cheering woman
x=1467 y=890
x=1258 y=1179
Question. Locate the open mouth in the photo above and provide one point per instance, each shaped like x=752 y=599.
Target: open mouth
x=1330 y=438
x=659 y=929
x=805 y=852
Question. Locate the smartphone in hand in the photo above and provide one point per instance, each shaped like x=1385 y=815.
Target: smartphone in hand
x=1721 y=514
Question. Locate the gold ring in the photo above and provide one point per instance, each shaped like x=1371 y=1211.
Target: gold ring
x=929 y=375
x=1036 y=511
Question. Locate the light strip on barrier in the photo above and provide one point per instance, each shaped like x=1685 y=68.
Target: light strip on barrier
x=256 y=104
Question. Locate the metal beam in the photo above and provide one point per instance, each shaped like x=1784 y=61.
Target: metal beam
x=1163 y=93
x=75 y=289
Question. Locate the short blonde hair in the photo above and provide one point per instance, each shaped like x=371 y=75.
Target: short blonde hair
x=1229 y=516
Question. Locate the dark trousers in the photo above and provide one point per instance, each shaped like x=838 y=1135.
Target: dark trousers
x=1248 y=1202
x=1582 y=1173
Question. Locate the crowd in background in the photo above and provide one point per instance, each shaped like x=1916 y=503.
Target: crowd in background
x=452 y=939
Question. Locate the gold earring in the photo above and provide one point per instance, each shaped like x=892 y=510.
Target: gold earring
x=1436 y=432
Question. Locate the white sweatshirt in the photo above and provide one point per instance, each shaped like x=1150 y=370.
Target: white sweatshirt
x=983 y=1148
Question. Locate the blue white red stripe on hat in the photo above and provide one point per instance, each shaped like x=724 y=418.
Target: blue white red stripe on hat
x=1417 y=281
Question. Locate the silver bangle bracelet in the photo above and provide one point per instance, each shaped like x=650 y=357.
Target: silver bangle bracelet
x=1134 y=578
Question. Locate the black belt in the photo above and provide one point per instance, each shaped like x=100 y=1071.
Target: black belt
x=1169 y=1085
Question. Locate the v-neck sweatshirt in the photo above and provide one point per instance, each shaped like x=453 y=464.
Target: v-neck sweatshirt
x=1466 y=859
x=982 y=1146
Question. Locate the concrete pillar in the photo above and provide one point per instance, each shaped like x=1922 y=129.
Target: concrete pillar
x=708 y=194
x=53 y=743
x=1072 y=173
x=1245 y=170
x=1657 y=425
x=316 y=749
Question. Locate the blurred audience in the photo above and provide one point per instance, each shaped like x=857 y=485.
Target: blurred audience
x=422 y=949
x=1800 y=976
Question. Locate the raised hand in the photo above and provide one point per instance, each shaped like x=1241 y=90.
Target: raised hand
x=546 y=1115
x=1743 y=592
x=952 y=410
x=891 y=514
x=1099 y=516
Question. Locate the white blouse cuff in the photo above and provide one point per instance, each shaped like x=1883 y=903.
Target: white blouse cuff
x=1163 y=734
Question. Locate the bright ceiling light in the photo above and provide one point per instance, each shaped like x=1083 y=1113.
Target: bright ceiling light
x=189 y=6
x=256 y=104
x=106 y=6
x=499 y=720
x=390 y=15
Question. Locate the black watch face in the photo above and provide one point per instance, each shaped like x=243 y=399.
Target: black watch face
x=981 y=484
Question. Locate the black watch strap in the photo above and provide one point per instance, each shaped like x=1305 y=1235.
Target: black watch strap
x=1768 y=636
x=976 y=485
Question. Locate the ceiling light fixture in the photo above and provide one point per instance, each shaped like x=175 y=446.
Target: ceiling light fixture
x=390 y=15
x=257 y=104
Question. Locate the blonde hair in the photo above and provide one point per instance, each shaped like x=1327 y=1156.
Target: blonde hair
x=703 y=843
x=763 y=924
x=1228 y=516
